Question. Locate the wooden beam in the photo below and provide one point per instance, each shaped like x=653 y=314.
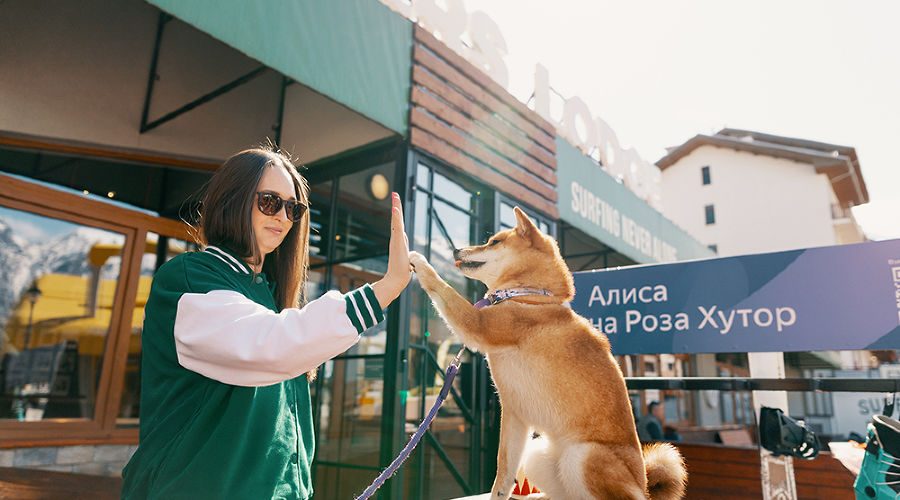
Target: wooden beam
x=57 y=435
x=120 y=331
x=90 y=151
x=104 y=394
x=70 y=203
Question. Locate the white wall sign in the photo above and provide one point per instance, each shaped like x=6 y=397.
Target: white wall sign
x=854 y=410
x=476 y=37
x=590 y=133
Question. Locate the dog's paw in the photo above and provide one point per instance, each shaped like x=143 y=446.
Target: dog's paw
x=428 y=278
x=500 y=492
x=417 y=260
x=500 y=495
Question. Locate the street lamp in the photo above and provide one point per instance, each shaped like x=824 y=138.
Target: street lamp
x=32 y=294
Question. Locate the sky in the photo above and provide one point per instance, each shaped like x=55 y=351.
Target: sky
x=660 y=72
x=35 y=228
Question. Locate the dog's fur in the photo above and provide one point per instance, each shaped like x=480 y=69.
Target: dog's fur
x=555 y=376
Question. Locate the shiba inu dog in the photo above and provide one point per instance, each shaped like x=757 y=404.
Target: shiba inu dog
x=555 y=375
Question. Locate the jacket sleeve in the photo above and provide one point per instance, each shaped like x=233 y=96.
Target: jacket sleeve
x=225 y=336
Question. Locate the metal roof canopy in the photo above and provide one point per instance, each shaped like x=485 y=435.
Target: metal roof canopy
x=356 y=52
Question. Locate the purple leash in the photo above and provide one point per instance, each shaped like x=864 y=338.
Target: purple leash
x=489 y=300
x=404 y=454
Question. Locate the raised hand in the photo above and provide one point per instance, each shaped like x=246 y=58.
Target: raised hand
x=397 y=276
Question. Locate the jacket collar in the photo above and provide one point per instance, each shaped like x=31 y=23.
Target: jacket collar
x=232 y=261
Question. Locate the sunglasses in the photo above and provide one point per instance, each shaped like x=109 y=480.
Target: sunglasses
x=270 y=204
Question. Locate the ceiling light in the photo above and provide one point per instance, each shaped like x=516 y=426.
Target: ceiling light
x=379 y=188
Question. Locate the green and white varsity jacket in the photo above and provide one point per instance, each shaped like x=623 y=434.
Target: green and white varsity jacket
x=225 y=410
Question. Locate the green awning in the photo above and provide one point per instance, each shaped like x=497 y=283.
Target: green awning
x=592 y=201
x=356 y=52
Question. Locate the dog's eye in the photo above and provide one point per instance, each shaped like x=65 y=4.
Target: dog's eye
x=493 y=243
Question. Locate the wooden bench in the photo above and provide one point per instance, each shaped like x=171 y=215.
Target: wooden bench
x=33 y=484
x=717 y=472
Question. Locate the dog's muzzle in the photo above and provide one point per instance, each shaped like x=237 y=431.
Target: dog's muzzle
x=461 y=262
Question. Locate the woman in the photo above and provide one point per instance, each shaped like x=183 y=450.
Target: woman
x=225 y=409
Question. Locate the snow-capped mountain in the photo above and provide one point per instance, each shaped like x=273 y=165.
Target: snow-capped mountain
x=21 y=260
x=15 y=268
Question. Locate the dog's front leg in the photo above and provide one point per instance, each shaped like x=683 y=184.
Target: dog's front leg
x=459 y=314
x=514 y=434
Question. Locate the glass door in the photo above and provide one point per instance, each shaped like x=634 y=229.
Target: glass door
x=450 y=212
x=349 y=237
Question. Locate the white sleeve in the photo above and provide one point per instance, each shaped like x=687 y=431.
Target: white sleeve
x=227 y=337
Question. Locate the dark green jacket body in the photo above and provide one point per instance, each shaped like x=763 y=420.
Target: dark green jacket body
x=225 y=407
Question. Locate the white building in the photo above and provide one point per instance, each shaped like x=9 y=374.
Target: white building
x=746 y=192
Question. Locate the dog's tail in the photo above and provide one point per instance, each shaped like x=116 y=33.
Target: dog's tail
x=666 y=475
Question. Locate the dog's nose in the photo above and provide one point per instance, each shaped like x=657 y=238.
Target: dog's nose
x=456 y=254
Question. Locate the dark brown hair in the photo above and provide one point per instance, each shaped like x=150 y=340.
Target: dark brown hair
x=226 y=220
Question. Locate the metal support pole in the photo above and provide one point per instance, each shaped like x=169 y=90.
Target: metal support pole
x=204 y=99
x=285 y=81
x=28 y=328
x=151 y=80
x=160 y=26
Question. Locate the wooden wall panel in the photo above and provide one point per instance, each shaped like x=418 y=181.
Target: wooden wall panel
x=33 y=484
x=440 y=149
x=716 y=471
x=482 y=126
x=462 y=117
x=482 y=79
x=423 y=58
x=478 y=152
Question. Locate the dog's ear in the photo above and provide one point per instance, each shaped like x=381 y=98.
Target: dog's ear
x=524 y=227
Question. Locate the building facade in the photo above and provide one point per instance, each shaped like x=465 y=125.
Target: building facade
x=112 y=118
x=744 y=192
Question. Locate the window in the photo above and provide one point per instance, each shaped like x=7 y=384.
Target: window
x=710 y=214
x=72 y=293
x=349 y=237
x=507 y=217
x=159 y=248
x=450 y=211
x=61 y=280
x=704 y=173
x=714 y=247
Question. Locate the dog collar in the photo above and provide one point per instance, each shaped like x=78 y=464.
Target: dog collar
x=498 y=296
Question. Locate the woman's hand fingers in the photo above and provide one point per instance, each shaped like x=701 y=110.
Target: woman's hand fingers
x=398 y=272
x=399 y=242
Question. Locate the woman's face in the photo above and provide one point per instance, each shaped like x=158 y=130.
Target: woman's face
x=270 y=230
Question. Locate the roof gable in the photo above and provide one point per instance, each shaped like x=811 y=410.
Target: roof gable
x=839 y=163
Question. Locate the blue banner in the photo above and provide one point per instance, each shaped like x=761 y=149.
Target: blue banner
x=843 y=297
